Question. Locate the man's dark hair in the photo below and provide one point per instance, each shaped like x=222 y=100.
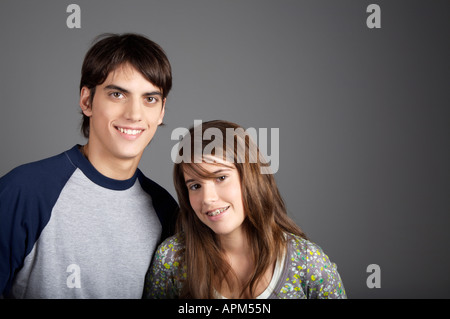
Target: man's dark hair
x=113 y=50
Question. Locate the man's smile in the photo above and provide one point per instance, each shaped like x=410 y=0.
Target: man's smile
x=129 y=131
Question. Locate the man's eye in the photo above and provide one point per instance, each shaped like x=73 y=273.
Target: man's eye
x=221 y=178
x=116 y=95
x=151 y=99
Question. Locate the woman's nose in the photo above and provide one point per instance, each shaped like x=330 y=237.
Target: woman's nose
x=209 y=193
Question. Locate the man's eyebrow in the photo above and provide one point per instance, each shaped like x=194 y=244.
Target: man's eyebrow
x=153 y=93
x=115 y=87
x=118 y=88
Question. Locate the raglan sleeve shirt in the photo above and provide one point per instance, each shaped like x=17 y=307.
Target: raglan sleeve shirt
x=27 y=195
x=66 y=231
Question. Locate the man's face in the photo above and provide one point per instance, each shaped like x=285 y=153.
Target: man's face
x=124 y=115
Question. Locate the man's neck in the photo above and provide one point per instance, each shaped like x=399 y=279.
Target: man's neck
x=114 y=168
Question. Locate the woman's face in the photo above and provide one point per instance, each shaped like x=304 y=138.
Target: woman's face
x=217 y=201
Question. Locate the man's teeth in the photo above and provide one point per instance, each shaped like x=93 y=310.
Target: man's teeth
x=129 y=132
x=217 y=211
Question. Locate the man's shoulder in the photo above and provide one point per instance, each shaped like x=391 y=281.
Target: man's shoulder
x=165 y=205
x=39 y=174
x=148 y=183
x=155 y=190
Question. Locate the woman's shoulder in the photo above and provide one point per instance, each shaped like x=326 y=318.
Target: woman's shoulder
x=303 y=250
x=164 y=280
x=170 y=246
x=299 y=243
x=318 y=274
x=176 y=240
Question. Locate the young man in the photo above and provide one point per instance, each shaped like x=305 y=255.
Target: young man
x=85 y=223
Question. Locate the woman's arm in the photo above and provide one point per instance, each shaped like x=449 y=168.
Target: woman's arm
x=165 y=275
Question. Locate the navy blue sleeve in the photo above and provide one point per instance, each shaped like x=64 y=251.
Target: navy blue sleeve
x=27 y=196
x=165 y=205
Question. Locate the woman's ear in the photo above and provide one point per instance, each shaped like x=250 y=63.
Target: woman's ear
x=85 y=105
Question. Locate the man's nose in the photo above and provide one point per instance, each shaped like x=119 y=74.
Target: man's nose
x=133 y=111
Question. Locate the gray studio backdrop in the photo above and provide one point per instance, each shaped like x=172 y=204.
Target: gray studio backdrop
x=363 y=113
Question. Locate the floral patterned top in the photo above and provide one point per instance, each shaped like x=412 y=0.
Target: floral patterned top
x=306 y=272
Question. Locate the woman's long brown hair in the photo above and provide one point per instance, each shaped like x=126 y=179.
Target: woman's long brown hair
x=265 y=224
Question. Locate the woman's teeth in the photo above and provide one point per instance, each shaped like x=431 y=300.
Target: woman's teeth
x=217 y=211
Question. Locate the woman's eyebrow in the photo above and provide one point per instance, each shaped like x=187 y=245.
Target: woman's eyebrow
x=189 y=181
x=221 y=170
x=213 y=173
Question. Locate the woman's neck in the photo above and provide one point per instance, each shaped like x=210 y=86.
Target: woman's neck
x=240 y=256
x=235 y=243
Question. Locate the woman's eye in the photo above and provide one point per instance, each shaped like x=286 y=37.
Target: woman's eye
x=222 y=178
x=193 y=187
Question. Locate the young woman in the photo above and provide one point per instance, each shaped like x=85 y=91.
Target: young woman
x=235 y=239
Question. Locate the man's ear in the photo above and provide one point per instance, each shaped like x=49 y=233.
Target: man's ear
x=163 y=110
x=85 y=104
